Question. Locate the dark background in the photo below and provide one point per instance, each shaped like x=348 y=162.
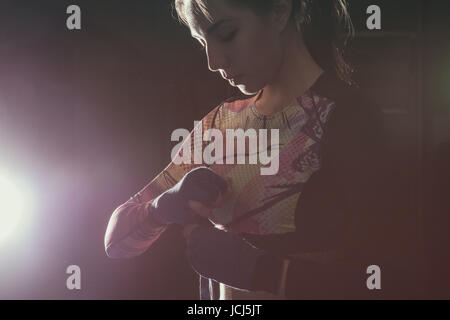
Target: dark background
x=86 y=118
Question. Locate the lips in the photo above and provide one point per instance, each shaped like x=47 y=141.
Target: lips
x=234 y=79
x=230 y=76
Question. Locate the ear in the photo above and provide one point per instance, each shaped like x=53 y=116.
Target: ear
x=281 y=13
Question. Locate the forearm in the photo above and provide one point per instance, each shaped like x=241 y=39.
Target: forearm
x=131 y=230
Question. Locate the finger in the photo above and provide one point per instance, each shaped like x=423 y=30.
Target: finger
x=199 y=208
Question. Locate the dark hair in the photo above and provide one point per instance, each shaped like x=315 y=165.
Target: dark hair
x=325 y=24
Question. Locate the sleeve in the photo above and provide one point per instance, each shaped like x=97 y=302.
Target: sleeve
x=352 y=220
x=344 y=226
x=131 y=229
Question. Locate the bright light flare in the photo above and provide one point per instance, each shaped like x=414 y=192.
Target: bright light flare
x=12 y=206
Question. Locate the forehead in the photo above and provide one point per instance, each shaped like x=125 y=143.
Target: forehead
x=202 y=15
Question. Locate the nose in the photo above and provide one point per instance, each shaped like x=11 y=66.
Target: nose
x=216 y=58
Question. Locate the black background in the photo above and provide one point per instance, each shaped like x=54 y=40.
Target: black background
x=86 y=118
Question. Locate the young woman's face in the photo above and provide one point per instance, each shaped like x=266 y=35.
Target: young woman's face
x=240 y=44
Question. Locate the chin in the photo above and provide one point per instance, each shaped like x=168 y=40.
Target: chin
x=247 y=90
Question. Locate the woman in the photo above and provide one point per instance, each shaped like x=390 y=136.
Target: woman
x=308 y=230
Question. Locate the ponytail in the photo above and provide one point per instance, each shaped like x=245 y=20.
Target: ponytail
x=326 y=28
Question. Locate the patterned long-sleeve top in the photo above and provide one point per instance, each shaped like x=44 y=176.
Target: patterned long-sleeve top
x=307 y=210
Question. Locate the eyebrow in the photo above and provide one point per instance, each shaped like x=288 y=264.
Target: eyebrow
x=216 y=25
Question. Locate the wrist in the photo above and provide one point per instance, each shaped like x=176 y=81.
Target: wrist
x=151 y=210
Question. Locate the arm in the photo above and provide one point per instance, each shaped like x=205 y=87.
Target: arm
x=337 y=235
x=132 y=228
x=345 y=224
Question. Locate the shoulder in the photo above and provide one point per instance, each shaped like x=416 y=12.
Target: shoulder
x=355 y=124
x=352 y=104
x=227 y=111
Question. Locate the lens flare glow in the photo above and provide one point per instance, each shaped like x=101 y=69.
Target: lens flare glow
x=11 y=207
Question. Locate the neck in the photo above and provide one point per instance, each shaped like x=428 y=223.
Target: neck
x=297 y=73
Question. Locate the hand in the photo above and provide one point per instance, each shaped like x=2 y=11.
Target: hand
x=222 y=256
x=200 y=190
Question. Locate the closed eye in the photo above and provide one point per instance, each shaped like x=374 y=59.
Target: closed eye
x=228 y=37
